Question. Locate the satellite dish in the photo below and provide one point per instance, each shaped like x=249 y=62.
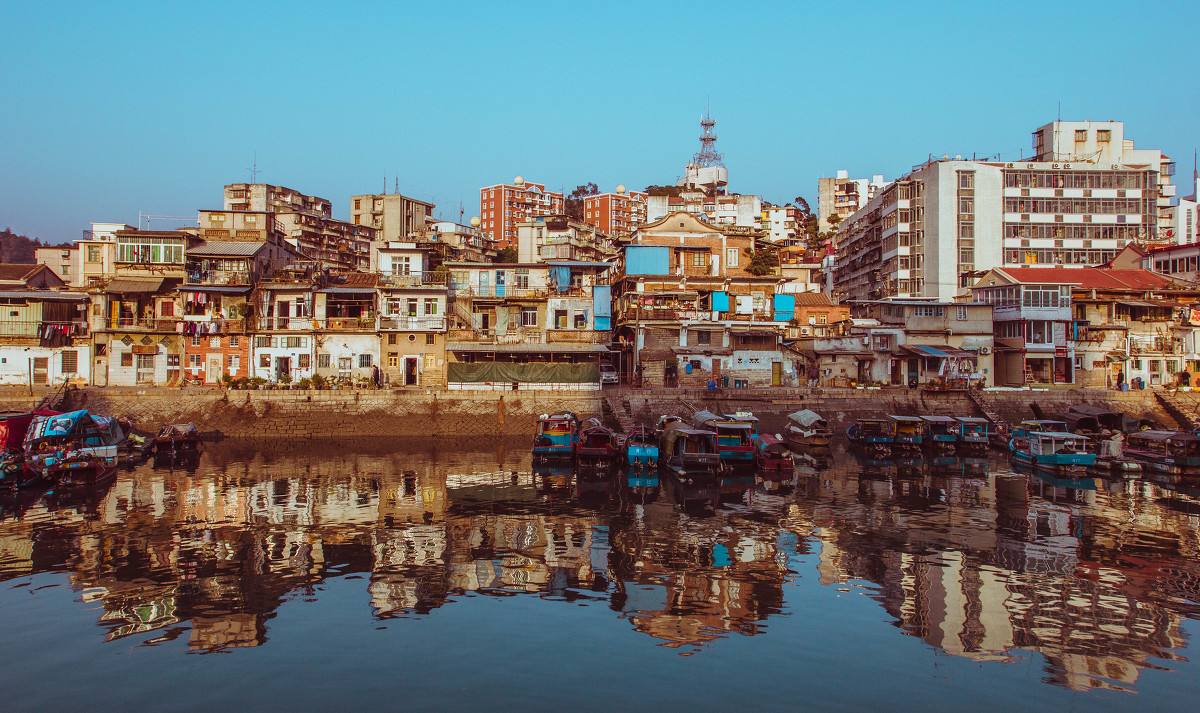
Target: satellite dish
x=620 y=188
x=475 y=221
x=519 y=181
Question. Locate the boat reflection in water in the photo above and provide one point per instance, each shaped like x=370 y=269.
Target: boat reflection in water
x=1096 y=576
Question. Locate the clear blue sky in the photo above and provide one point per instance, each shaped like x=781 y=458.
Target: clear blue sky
x=108 y=109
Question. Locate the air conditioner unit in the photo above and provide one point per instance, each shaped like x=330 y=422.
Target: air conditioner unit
x=985 y=350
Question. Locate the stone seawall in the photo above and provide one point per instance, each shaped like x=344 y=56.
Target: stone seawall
x=288 y=415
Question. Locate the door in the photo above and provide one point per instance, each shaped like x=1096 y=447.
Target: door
x=410 y=370
x=485 y=284
x=776 y=373
x=41 y=370
x=145 y=368
x=283 y=312
x=283 y=365
x=716 y=370
x=212 y=369
x=914 y=371
x=499 y=283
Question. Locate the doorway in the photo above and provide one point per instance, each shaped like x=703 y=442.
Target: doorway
x=914 y=372
x=41 y=370
x=145 y=368
x=283 y=365
x=776 y=373
x=411 y=375
x=212 y=369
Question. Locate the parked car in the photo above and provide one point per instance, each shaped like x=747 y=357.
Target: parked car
x=608 y=374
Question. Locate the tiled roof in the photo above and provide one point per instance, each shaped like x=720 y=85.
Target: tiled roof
x=16 y=271
x=226 y=248
x=354 y=279
x=1091 y=278
x=813 y=299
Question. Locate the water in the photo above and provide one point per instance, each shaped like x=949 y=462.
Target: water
x=435 y=577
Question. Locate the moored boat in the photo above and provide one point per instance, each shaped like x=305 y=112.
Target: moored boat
x=772 y=455
x=73 y=442
x=640 y=448
x=940 y=432
x=1175 y=452
x=596 y=442
x=178 y=437
x=688 y=452
x=973 y=433
x=908 y=431
x=806 y=429
x=557 y=435
x=875 y=434
x=1054 y=451
x=735 y=436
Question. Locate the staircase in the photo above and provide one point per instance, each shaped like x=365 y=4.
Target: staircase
x=987 y=409
x=462 y=310
x=620 y=413
x=1177 y=411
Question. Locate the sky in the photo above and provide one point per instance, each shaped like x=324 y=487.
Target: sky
x=108 y=110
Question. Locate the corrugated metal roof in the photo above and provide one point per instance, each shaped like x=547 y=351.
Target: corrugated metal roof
x=226 y=248
x=43 y=295
x=129 y=286
x=527 y=348
x=216 y=289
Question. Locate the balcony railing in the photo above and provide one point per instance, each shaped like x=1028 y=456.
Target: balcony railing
x=391 y=323
x=416 y=279
x=308 y=324
x=223 y=326
x=32 y=329
x=151 y=324
x=217 y=277
x=490 y=336
x=578 y=336
x=500 y=292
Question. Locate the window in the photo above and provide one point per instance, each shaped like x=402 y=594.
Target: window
x=295 y=343
x=431 y=307
x=324 y=361
x=429 y=339
x=126 y=358
x=704 y=337
x=234 y=342
x=960 y=313
x=411 y=307
x=1080 y=135
x=196 y=340
x=70 y=362
x=235 y=363
x=364 y=361
x=305 y=361
x=731 y=257
x=929 y=311
x=262 y=342
x=528 y=317
x=699 y=259
x=391 y=338
x=1104 y=136
x=522 y=278
x=393 y=360
x=264 y=361
x=142 y=249
x=94 y=254
x=580 y=321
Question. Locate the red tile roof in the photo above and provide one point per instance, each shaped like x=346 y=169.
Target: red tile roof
x=17 y=271
x=1091 y=278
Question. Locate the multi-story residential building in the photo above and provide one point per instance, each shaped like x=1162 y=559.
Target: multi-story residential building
x=557 y=237
x=240 y=225
x=1094 y=327
x=1185 y=229
x=44 y=336
x=904 y=342
x=687 y=310
x=1181 y=262
x=780 y=224
x=60 y=258
x=617 y=214
x=722 y=209
x=931 y=233
x=528 y=323
x=335 y=243
x=135 y=312
x=843 y=196
x=89 y=259
x=504 y=205
x=447 y=241
x=217 y=306
x=266 y=198
x=412 y=328
x=801 y=270
x=395 y=217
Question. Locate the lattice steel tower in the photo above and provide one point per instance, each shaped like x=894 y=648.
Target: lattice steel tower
x=708 y=155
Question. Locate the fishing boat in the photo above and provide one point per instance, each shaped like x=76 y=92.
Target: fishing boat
x=177 y=437
x=973 y=433
x=596 y=442
x=1044 y=425
x=663 y=421
x=73 y=442
x=688 y=452
x=941 y=432
x=1053 y=451
x=908 y=431
x=747 y=418
x=557 y=435
x=735 y=437
x=771 y=454
x=806 y=429
x=1174 y=452
x=13 y=427
x=876 y=434
x=640 y=448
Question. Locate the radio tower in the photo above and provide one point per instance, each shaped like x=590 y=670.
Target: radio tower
x=707 y=155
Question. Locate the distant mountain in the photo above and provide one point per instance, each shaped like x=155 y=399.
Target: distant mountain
x=18 y=248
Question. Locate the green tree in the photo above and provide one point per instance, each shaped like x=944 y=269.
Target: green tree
x=574 y=202
x=765 y=261
x=508 y=254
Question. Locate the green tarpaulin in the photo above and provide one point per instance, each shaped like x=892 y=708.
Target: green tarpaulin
x=502 y=372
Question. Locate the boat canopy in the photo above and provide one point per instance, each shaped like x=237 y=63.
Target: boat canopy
x=905 y=419
x=971 y=419
x=1059 y=435
x=937 y=419
x=1044 y=424
x=1163 y=436
x=806 y=418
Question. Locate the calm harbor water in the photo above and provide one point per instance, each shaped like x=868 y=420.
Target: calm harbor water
x=442 y=576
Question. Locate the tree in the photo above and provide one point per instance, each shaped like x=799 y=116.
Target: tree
x=574 y=202
x=508 y=254
x=802 y=205
x=765 y=261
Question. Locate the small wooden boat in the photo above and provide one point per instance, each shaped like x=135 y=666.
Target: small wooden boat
x=1053 y=451
x=557 y=435
x=13 y=428
x=1044 y=425
x=177 y=437
x=973 y=433
x=596 y=442
x=908 y=431
x=640 y=448
x=735 y=437
x=688 y=452
x=875 y=434
x=806 y=429
x=940 y=432
x=70 y=443
x=772 y=455
x=1174 y=452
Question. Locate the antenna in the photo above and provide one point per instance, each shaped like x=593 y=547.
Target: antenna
x=396 y=185
x=254 y=168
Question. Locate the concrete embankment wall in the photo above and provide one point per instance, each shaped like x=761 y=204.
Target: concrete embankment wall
x=332 y=414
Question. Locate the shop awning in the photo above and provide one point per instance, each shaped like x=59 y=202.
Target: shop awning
x=527 y=348
x=216 y=289
x=938 y=352
x=355 y=291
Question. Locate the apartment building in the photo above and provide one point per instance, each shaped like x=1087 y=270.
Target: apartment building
x=781 y=224
x=1033 y=323
x=618 y=213
x=87 y=260
x=718 y=209
x=393 y=216
x=44 y=336
x=557 y=237
x=503 y=206
x=446 y=240
x=266 y=198
x=843 y=196
x=932 y=232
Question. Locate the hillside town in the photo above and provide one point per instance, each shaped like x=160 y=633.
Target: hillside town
x=1075 y=265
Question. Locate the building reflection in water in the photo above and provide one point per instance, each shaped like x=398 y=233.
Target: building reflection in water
x=1096 y=579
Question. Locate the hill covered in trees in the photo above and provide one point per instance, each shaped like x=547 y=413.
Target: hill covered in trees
x=18 y=248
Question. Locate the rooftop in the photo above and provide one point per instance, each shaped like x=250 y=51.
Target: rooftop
x=1091 y=278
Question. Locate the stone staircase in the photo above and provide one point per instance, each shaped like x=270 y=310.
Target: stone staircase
x=1185 y=417
x=620 y=413
x=988 y=409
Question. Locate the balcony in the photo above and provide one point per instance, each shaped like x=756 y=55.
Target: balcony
x=218 y=278
x=400 y=323
x=578 y=336
x=500 y=292
x=416 y=279
x=490 y=336
x=22 y=329
x=222 y=326
x=143 y=324
x=309 y=324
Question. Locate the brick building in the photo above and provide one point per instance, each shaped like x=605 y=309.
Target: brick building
x=617 y=214
x=504 y=205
